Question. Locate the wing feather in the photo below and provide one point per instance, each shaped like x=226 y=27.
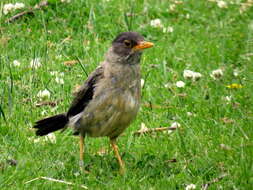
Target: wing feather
x=85 y=94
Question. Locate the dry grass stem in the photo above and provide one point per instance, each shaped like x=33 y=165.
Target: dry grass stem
x=31 y=11
x=205 y=186
x=54 y=180
x=152 y=130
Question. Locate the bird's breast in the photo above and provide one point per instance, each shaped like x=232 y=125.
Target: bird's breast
x=112 y=112
x=126 y=101
x=115 y=103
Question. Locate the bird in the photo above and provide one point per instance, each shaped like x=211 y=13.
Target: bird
x=109 y=99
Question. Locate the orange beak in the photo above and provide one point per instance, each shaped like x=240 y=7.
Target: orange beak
x=143 y=45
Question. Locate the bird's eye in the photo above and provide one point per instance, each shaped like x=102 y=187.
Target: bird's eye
x=127 y=43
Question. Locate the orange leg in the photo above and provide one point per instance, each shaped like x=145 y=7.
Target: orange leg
x=81 y=151
x=116 y=152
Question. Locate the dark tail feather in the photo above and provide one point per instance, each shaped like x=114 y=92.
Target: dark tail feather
x=50 y=124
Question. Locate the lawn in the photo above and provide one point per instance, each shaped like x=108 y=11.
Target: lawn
x=56 y=47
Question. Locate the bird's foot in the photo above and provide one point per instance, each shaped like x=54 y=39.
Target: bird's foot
x=122 y=169
x=81 y=165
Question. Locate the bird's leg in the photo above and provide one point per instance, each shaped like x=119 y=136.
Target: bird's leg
x=116 y=152
x=81 y=150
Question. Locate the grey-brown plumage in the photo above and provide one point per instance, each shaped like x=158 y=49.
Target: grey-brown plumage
x=109 y=99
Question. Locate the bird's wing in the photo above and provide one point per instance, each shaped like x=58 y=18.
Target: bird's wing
x=85 y=94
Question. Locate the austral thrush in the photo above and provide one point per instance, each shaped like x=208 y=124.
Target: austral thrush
x=109 y=99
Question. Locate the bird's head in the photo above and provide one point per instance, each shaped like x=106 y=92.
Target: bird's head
x=128 y=47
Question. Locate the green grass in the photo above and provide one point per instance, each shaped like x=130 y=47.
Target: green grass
x=210 y=38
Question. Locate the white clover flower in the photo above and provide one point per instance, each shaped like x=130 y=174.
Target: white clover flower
x=180 y=84
x=58 y=56
x=172 y=7
x=236 y=72
x=43 y=94
x=7 y=8
x=65 y=1
x=59 y=80
x=189 y=114
x=168 y=85
x=244 y=7
x=53 y=110
x=191 y=186
x=169 y=29
x=76 y=174
x=175 y=125
x=228 y=98
x=51 y=138
x=250 y=26
x=187 y=16
x=222 y=4
x=143 y=128
x=156 y=23
x=44 y=112
x=54 y=73
x=188 y=74
x=16 y=63
x=36 y=140
x=142 y=83
x=61 y=74
x=58 y=76
x=197 y=76
x=216 y=74
x=35 y=63
x=19 y=5
x=59 y=163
